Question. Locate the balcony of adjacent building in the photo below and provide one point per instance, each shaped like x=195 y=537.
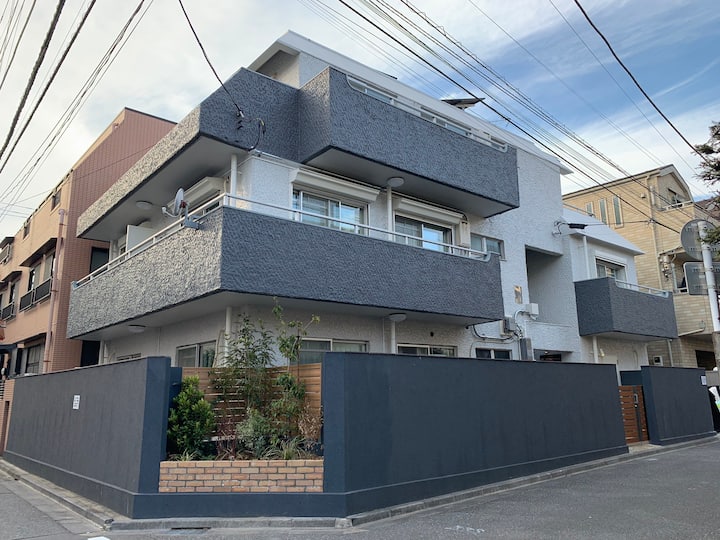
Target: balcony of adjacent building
x=607 y=307
x=234 y=251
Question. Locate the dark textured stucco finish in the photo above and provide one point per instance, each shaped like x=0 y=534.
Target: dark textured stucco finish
x=108 y=449
x=602 y=307
x=179 y=268
x=326 y=113
x=404 y=428
x=215 y=118
x=676 y=403
x=271 y=256
x=334 y=115
x=256 y=254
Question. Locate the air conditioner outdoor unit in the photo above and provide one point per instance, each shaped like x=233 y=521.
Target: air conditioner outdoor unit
x=657 y=360
x=201 y=192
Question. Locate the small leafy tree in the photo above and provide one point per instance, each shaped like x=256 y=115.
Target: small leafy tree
x=286 y=409
x=290 y=334
x=710 y=168
x=191 y=420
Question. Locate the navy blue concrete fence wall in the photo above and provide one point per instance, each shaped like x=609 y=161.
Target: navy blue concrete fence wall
x=405 y=428
x=108 y=448
x=676 y=403
x=397 y=428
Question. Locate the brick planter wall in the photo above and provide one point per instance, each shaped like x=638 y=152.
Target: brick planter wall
x=242 y=476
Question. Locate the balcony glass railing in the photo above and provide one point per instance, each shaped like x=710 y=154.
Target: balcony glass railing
x=290 y=214
x=642 y=288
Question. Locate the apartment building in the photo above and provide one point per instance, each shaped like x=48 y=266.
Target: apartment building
x=649 y=209
x=408 y=225
x=38 y=264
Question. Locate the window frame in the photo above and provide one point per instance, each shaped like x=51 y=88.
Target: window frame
x=618 y=269
x=331 y=222
x=332 y=343
x=484 y=244
x=617 y=211
x=603 y=211
x=197 y=349
x=451 y=348
x=493 y=353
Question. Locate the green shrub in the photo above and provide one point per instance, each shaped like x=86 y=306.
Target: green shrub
x=191 y=420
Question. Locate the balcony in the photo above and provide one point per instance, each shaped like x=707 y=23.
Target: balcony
x=351 y=133
x=36 y=295
x=8 y=312
x=259 y=251
x=610 y=308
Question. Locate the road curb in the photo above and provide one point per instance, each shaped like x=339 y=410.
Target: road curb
x=109 y=520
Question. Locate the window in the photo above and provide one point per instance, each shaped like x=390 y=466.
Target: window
x=427 y=350
x=589 y=210
x=33 y=277
x=603 y=211
x=609 y=269
x=125 y=357
x=98 y=258
x=490 y=245
x=616 y=210
x=26 y=228
x=55 y=199
x=371 y=91
x=347 y=216
x=312 y=350
x=674 y=198
x=444 y=122
x=34 y=356
x=198 y=355
x=48 y=266
x=494 y=354
x=426 y=235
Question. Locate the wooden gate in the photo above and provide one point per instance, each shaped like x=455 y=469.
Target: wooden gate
x=633 y=412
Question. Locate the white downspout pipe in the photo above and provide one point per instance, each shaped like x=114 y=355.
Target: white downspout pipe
x=228 y=331
x=233 y=174
x=54 y=287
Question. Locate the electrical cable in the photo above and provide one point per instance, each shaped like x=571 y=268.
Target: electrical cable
x=33 y=75
x=17 y=44
x=209 y=63
x=634 y=80
x=31 y=168
x=47 y=85
x=495 y=110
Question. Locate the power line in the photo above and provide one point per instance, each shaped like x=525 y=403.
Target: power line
x=47 y=85
x=20 y=183
x=209 y=63
x=505 y=117
x=17 y=44
x=634 y=80
x=33 y=75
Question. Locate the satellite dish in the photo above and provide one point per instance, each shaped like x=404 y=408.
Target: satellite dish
x=180 y=209
x=179 y=203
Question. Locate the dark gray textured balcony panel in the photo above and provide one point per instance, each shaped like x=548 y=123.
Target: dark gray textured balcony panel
x=270 y=256
x=216 y=119
x=335 y=117
x=181 y=267
x=603 y=307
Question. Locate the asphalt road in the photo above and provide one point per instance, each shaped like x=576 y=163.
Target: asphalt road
x=672 y=494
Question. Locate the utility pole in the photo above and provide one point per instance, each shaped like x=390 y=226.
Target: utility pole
x=711 y=289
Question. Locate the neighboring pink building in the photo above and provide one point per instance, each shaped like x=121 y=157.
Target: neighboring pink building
x=31 y=304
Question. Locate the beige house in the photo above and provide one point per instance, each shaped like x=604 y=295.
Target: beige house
x=38 y=264
x=649 y=209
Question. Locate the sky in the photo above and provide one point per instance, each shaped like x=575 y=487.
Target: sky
x=545 y=51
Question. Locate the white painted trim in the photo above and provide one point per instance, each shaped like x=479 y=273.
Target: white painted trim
x=328 y=184
x=427 y=212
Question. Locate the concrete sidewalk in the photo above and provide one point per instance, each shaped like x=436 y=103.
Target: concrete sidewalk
x=111 y=520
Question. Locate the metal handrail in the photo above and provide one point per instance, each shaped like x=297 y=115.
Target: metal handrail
x=642 y=288
x=226 y=200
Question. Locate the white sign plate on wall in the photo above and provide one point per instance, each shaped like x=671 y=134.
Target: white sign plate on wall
x=76 y=402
